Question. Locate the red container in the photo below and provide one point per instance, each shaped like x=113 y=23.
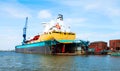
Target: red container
x=114 y=44
x=98 y=46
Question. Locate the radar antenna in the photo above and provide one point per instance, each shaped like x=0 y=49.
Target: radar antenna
x=60 y=16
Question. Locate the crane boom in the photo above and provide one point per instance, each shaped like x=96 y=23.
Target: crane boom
x=24 y=31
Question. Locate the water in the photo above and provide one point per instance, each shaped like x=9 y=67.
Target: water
x=11 y=61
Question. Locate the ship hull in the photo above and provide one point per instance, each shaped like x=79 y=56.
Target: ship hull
x=38 y=47
x=40 y=50
x=46 y=47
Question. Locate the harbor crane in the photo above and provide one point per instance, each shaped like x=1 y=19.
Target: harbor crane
x=24 y=31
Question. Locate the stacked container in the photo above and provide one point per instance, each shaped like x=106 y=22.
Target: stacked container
x=98 y=46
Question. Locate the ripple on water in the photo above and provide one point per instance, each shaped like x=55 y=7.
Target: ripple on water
x=11 y=61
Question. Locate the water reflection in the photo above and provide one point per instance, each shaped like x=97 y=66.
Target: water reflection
x=57 y=63
x=11 y=61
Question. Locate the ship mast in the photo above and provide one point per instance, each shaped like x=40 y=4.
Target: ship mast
x=24 y=31
x=60 y=16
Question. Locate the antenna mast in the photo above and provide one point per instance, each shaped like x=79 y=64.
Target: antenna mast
x=24 y=31
x=60 y=16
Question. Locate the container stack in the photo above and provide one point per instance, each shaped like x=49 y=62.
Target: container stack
x=98 y=47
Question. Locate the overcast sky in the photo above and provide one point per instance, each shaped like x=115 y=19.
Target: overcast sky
x=93 y=20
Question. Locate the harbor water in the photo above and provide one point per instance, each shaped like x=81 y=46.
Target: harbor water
x=11 y=61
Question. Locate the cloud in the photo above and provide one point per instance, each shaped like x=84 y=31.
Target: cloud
x=101 y=7
x=113 y=12
x=43 y=14
x=105 y=7
x=77 y=21
x=17 y=13
x=71 y=3
x=11 y=39
x=14 y=10
x=94 y=36
x=92 y=6
x=9 y=43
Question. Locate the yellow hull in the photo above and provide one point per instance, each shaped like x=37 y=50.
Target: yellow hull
x=57 y=36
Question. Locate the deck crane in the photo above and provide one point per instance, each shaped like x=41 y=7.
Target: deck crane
x=24 y=31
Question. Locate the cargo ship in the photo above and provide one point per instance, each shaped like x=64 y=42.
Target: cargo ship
x=55 y=39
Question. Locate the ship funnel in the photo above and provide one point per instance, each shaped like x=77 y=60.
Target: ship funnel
x=60 y=16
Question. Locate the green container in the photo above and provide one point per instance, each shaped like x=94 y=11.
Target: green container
x=115 y=54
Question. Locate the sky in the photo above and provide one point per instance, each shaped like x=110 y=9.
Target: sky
x=92 y=20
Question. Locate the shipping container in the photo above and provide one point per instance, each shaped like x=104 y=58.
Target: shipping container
x=98 y=46
x=114 y=45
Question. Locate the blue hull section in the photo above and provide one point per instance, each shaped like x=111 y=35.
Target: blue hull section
x=39 y=47
x=41 y=50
